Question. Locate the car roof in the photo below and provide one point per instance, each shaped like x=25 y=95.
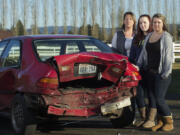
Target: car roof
x=48 y=36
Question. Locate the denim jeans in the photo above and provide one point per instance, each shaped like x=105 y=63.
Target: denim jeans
x=140 y=97
x=157 y=89
x=141 y=90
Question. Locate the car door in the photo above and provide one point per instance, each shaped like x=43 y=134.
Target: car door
x=9 y=68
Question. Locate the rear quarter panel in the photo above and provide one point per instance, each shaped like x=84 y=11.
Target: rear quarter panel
x=32 y=69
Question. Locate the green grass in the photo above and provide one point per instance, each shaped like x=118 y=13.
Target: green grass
x=175 y=84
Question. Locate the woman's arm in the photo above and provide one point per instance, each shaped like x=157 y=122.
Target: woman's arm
x=168 y=56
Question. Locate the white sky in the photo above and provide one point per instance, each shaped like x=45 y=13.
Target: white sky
x=128 y=6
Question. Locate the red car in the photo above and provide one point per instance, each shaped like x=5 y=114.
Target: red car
x=64 y=75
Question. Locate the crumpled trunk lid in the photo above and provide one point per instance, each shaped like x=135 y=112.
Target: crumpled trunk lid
x=108 y=66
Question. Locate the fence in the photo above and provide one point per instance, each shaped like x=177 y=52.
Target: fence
x=176 y=50
x=49 y=51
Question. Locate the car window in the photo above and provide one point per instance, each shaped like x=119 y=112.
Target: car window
x=101 y=46
x=2 y=46
x=91 y=47
x=72 y=47
x=13 y=55
x=47 y=49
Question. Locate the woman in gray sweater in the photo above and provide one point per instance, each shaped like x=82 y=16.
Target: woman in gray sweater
x=156 y=58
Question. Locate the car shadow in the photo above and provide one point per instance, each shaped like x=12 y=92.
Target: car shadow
x=62 y=124
x=5 y=125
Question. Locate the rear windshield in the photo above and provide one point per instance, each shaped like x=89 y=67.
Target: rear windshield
x=47 y=48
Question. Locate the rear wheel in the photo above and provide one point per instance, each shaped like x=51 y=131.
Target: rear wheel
x=21 y=118
x=126 y=117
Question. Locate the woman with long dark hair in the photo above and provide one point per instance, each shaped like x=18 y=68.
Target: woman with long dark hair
x=143 y=28
x=157 y=57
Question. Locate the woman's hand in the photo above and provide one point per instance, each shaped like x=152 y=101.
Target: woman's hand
x=136 y=67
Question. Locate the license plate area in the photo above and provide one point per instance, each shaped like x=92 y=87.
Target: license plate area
x=109 y=108
x=86 y=69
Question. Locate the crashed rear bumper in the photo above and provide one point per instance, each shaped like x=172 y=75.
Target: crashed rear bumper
x=110 y=108
x=72 y=112
x=100 y=105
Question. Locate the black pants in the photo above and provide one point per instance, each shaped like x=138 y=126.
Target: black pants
x=157 y=89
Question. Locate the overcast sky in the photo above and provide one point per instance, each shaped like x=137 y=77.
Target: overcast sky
x=129 y=5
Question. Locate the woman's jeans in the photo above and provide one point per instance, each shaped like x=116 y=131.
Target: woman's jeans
x=157 y=89
x=140 y=97
x=142 y=90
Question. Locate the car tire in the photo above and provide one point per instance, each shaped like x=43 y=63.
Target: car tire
x=21 y=118
x=126 y=118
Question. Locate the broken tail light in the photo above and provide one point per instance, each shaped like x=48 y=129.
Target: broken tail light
x=46 y=82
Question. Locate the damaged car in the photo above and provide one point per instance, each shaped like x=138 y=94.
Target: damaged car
x=53 y=76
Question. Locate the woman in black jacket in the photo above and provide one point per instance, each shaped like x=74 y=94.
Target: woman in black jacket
x=143 y=28
x=122 y=40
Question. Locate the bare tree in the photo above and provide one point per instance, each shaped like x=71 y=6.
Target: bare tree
x=93 y=15
x=96 y=32
x=174 y=19
x=113 y=17
x=120 y=14
x=85 y=30
x=93 y=11
x=131 y=5
x=149 y=6
x=65 y=17
x=14 y=15
x=140 y=6
x=158 y=4
x=4 y=11
x=103 y=18
x=45 y=8
x=55 y=17
x=25 y=8
x=166 y=6
x=35 y=8
x=74 y=7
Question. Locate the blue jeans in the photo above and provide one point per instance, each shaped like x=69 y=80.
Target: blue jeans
x=140 y=96
x=141 y=90
x=157 y=89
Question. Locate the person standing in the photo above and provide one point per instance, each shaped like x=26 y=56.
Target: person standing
x=143 y=28
x=157 y=57
x=122 y=40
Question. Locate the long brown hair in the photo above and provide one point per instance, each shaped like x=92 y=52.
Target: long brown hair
x=140 y=34
x=163 y=18
x=133 y=17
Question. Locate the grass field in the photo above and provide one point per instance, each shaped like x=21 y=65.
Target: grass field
x=175 y=84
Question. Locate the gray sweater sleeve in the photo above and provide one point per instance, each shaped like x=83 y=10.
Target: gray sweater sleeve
x=114 y=41
x=167 y=55
x=142 y=60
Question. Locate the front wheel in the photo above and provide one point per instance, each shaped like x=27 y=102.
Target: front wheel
x=21 y=117
x=126 y=118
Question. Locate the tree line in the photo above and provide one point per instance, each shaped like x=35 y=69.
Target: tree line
x=104 y=10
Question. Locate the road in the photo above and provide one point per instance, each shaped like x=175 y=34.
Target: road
x=97 y=126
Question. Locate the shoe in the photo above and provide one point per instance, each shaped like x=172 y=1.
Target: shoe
x=168 y=123
x=151 y=118
x=140 y=122
x=159 y=123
